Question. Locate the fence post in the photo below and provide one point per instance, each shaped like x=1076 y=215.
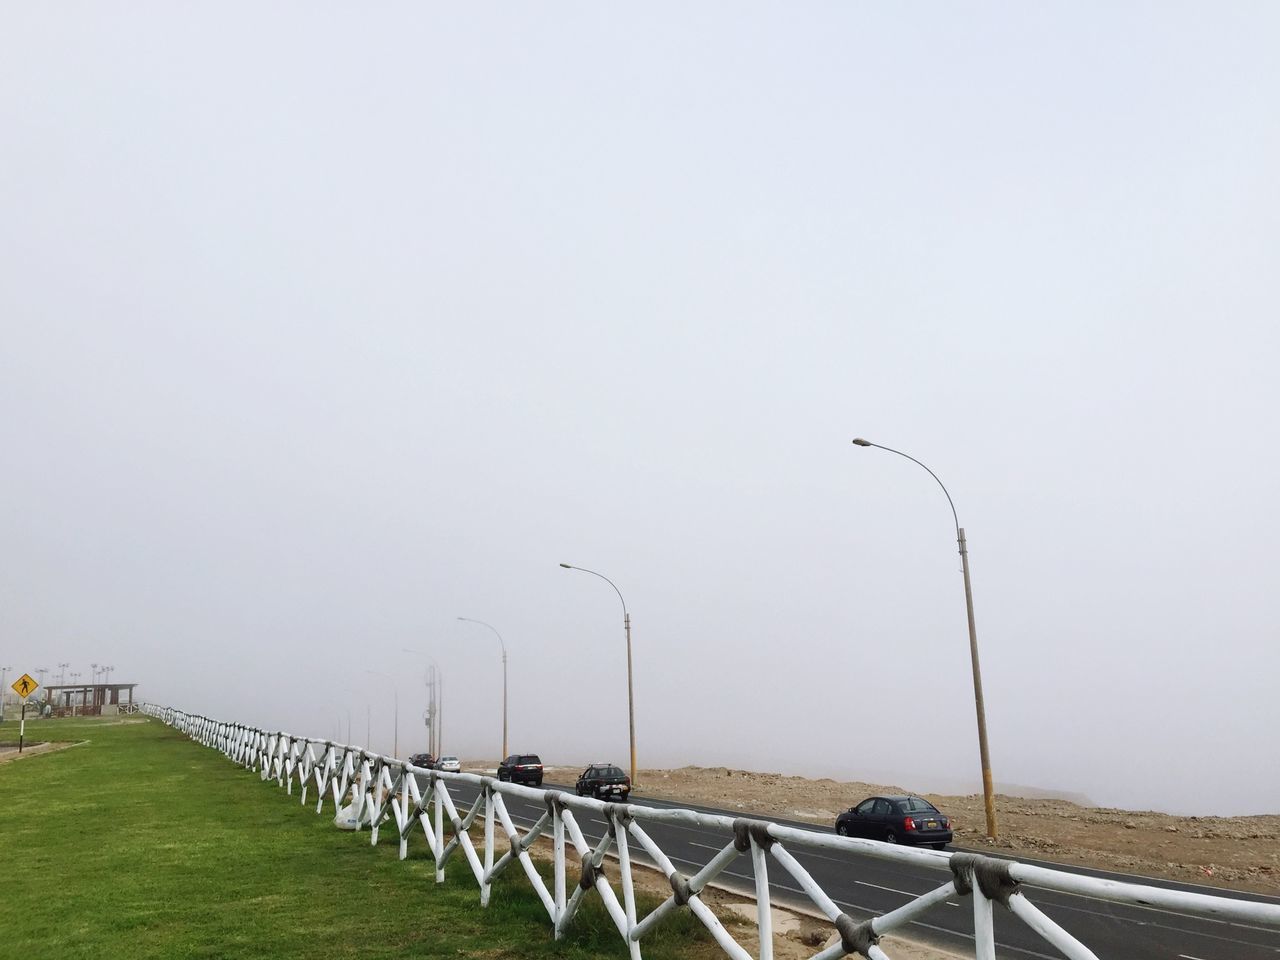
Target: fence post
x=557 y=832
x=488 y=845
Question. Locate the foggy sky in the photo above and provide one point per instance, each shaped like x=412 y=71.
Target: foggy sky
x=326 y=324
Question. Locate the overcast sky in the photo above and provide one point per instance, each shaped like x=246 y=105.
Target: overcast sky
x=325 y=324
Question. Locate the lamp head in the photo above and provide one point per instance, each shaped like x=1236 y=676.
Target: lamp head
x=566 y=566
x=862 y=443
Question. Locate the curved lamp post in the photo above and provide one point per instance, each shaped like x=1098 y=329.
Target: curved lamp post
x=504 y=681
x=988 y=790
x=626 y=625
x=395 y=750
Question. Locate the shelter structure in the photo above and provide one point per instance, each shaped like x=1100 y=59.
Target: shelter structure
x=90 y=699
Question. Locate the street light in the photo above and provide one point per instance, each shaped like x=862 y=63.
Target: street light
x=395 y=749
x=988 y=790
x=4 y=687
x=504 y=680
x=435 y=704
x=626 y=625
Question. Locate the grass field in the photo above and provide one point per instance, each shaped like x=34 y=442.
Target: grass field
x=139 y=843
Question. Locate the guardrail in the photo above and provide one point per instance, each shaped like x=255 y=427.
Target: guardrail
x=387 y=789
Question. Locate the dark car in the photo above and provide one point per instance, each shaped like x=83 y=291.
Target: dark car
x=424 y=760
x=896 y=820
x=523 y=768
x=605 y=782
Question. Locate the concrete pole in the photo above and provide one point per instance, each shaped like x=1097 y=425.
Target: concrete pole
x=631 y=698
x=988 y=786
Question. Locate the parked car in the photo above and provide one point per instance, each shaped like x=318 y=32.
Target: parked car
x=424 y=760
x=605 y=782
x=523 y=768
x=449 y=765
x=897 y=819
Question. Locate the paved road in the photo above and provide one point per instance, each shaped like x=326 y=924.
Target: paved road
x=864 y=886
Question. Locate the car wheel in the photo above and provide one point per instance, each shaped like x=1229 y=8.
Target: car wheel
x=890 y=837
x=538 y=782
x=842 y=829
x=939 y=846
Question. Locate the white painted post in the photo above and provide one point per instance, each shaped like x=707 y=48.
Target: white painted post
x=488 y=845
x=764 y=912
x=557 y=827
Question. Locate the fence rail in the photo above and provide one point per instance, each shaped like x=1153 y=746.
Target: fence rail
x=387 y=790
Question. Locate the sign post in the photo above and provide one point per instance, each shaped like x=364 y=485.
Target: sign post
x=24 y=687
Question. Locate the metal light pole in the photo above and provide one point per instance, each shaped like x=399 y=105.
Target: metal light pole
x=435 y=703
x=395 y=749
x=75 y=676
x=62 y=673
x=626 y=625
x=504 y=681
x=988 y=789
x=4 y=687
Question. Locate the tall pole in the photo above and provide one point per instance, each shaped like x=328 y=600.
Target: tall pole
x=626 y=626
x=988 y=786
x=433 y=711
x=437 y=708
x=504 y=680
x=4 y=688
x=435 y=701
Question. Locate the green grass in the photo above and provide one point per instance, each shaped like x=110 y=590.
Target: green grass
x=140 y=843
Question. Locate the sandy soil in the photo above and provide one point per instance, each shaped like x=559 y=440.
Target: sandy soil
x=1236 y=852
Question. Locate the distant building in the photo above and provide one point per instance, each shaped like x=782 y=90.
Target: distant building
x=90 y=699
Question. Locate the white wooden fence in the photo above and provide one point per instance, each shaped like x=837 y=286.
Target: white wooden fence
x=388 y=791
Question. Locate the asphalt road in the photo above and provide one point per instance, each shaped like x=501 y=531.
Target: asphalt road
x=863 y=886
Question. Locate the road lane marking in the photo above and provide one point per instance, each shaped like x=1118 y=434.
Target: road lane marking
x=905 y=893
x=865 y=883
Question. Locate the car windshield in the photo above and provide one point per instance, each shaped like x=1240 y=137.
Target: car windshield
x=448 y=759
x=916 y=805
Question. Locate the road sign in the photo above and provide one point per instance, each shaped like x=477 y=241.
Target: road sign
x=25 y=685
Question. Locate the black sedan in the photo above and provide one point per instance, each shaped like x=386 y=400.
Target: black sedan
x=897 y=819
x=523 y=768
x=604 y=781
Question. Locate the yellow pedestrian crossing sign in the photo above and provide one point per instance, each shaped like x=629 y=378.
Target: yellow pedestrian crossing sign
x=25 y=685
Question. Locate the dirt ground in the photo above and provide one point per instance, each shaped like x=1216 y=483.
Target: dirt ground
x=1241 y=853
